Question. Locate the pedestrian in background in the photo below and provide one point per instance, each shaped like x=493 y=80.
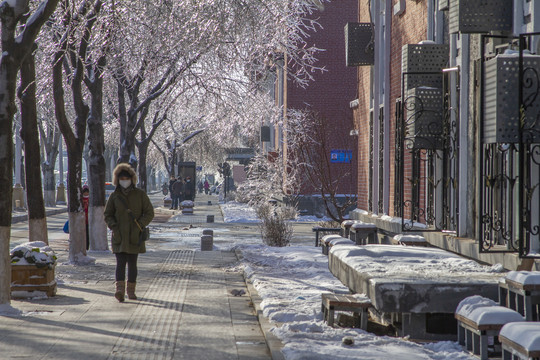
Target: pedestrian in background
x=177 y=189
x=125 y=227
x=172 y=180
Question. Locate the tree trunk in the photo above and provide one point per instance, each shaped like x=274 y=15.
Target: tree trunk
x=30 y=136
x=96 y=161
x=74 y=143
x=49 y=184
x=143 y=175
x=12 y=56
x=8 y=78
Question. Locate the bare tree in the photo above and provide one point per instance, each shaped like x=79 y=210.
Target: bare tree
x=309 y=139
x=86 y=15
x=37 y=221
x=15 y=47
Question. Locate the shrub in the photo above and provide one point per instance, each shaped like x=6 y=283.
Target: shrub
x=274 y=226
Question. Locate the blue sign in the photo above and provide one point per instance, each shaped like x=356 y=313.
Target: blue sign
x=341 y=156
x=199 y=168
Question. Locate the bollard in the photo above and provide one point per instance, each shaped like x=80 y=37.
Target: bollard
x=207 y=243
x=209 y=218
x=208 y=232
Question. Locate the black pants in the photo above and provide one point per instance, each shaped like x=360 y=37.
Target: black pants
x=131 y=260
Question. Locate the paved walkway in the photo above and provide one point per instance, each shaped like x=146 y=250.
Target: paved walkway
x=185 y=308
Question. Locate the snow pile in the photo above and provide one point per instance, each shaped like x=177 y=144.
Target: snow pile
x=483 y=311
x=526 y=334
x=290 y=281
x=33 y=253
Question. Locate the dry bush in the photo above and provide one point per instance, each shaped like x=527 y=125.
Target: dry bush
x=275 y=228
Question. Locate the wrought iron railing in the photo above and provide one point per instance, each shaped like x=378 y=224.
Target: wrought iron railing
x=509 y=142
x=426 y=155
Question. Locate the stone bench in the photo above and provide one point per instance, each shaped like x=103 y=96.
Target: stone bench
x=331 y=240
x=480 y=319
x=346 y=227
x=520 y=291
x=520 y=340
x=333 y=302
x=416 y=289
x=409 y=240
x=318 y=230
x=363 y=233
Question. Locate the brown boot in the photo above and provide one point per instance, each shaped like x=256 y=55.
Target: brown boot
x=120 y=291
x=131 y=291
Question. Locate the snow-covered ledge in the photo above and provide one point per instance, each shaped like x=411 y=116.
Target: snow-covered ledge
x=464 y=246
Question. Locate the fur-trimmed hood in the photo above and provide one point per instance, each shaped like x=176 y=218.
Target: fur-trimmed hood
x=124 y=166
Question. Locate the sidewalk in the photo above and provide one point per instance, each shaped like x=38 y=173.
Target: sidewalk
x=185 y=308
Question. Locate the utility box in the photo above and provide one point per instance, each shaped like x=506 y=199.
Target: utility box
x=424 y=63
x=359 y=44
x=424 y=126
x=480 y=16
x=501 y=109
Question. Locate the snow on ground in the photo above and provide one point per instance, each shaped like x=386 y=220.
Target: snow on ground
x=235 y=212
x=290 y=281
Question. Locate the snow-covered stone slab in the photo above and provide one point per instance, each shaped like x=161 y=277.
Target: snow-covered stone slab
x=412 y=279
x=410 y=240
x=521 y=338
x=340 y=241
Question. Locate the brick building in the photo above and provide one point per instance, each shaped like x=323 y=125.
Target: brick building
x=439 y=149
x=327 y=96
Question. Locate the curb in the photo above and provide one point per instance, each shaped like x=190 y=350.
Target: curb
x=24 y=217
x=274 y=343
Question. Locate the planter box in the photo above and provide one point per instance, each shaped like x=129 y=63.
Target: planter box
x=31 y=278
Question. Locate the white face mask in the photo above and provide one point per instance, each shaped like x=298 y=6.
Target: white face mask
x=125 y=183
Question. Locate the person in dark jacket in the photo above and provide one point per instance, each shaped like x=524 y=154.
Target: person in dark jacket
x=171 y=183
x=125 y=228
x=189 y=189
x=177 y=190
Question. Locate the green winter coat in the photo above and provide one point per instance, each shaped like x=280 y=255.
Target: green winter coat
x=125 y=237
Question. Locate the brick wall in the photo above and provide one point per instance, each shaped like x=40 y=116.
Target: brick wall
x=332 y=91
x=409 y=27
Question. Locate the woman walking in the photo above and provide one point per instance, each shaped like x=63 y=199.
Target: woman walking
x=128 y=210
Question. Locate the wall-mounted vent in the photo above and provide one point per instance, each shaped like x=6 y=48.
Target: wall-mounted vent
x=501 y=108
x=423 y=59
x=359 y=44
x=424 y=125
x=480 y=16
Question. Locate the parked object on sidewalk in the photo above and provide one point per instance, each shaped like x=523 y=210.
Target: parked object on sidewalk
x=32 y=270
x=127 y=214
x=207 y=243
x=187 y=206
